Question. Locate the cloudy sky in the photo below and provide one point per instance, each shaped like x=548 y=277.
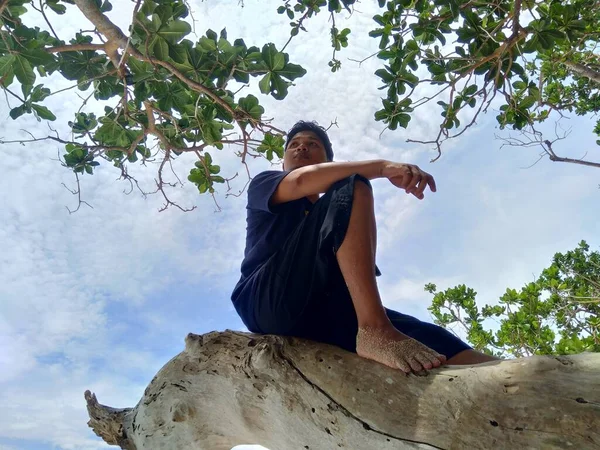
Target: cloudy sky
x=101 y=299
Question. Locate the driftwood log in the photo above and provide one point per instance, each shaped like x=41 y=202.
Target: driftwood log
x=229 y=388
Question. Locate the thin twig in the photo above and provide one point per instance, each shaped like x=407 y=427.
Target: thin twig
x=46 y=19
x=78 y=193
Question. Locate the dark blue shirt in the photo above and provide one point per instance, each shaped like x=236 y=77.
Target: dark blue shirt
x=267 y=227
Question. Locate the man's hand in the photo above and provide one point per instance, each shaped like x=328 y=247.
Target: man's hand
x=408 y=177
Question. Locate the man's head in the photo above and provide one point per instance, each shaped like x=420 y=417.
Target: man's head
x=307 y=144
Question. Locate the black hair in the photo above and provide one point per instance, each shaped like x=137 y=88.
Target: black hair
x=313 y=126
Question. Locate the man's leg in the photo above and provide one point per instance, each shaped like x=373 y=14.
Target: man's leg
x=468 y=357
x=377 y=338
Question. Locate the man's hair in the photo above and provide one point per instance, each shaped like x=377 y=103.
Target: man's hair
x=313 y=126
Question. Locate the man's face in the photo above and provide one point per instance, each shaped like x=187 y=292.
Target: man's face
x=304 y=149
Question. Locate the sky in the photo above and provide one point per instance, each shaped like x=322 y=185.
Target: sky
x=101 y=299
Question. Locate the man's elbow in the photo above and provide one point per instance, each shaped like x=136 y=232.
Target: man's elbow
x=301 y=179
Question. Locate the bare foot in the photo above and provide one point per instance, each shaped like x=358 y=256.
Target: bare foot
x=395 y=349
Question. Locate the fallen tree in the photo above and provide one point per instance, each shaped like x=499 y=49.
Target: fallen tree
x=230 y=388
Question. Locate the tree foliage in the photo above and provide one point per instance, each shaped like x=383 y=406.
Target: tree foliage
x=531 y=59
x=158 y=86
x=558 y=313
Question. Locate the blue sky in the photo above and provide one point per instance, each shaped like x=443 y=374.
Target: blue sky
x=101 y=299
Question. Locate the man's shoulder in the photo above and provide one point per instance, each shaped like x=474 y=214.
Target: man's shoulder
x=261 y=189
x=269 y=174
x=266 y=177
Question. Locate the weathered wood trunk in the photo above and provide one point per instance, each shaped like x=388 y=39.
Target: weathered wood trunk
x=235 y=388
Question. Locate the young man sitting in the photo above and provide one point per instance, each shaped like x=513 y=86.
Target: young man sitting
x=309 y=267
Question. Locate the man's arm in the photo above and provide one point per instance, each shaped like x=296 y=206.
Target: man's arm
x=317 y=178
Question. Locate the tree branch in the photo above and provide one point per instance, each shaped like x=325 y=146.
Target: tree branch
x=78 y=193
x=117 y=39
x=583 y=71
x=91 y=11
x=75 y=48
x=3 y=4
x=46 y=19
x=516 y=15
x=574 y=161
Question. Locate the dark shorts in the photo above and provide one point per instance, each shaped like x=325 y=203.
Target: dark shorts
x=300 y=290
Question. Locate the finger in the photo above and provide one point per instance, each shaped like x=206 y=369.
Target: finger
x=406 y=180
x=431 y=183
x=425 y=361
x=411 y=187
x=422 y=185
x=419 y=196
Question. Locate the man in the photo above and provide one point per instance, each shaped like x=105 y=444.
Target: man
x=309 y=266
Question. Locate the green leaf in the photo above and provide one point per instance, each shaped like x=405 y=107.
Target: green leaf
x=174 y=31
x=271 y=144
x=436 y=69
x=403 y=120
x=382 y=114
x=160 y=48
x=471 y=89
x=292 y=71
x=106 y=6
x=38 y=57
x=58 y=9
x=527 y=102
x=178 y=53
x=207 y=45
x=386 y=76
x=16 y=112
x=280 y=87
x=164 y=12
x=273 y=59
x=16 y=10
x=23 y=70
x=39 y=93
x=43 y=112
x=111 y=133
x=251 y=106
x=26 y=89
x=264 y=84
x=6 y=63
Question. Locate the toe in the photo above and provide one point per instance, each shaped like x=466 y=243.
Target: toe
x=441 y=358
x=414 y=364
x=403 y=366
x=436 y=358
x=424 y=360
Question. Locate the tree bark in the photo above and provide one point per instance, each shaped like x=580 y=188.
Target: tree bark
x=583 y=71
x=235 y=388
x=3 y=5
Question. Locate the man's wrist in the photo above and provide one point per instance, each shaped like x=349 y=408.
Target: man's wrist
x=381 y=164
